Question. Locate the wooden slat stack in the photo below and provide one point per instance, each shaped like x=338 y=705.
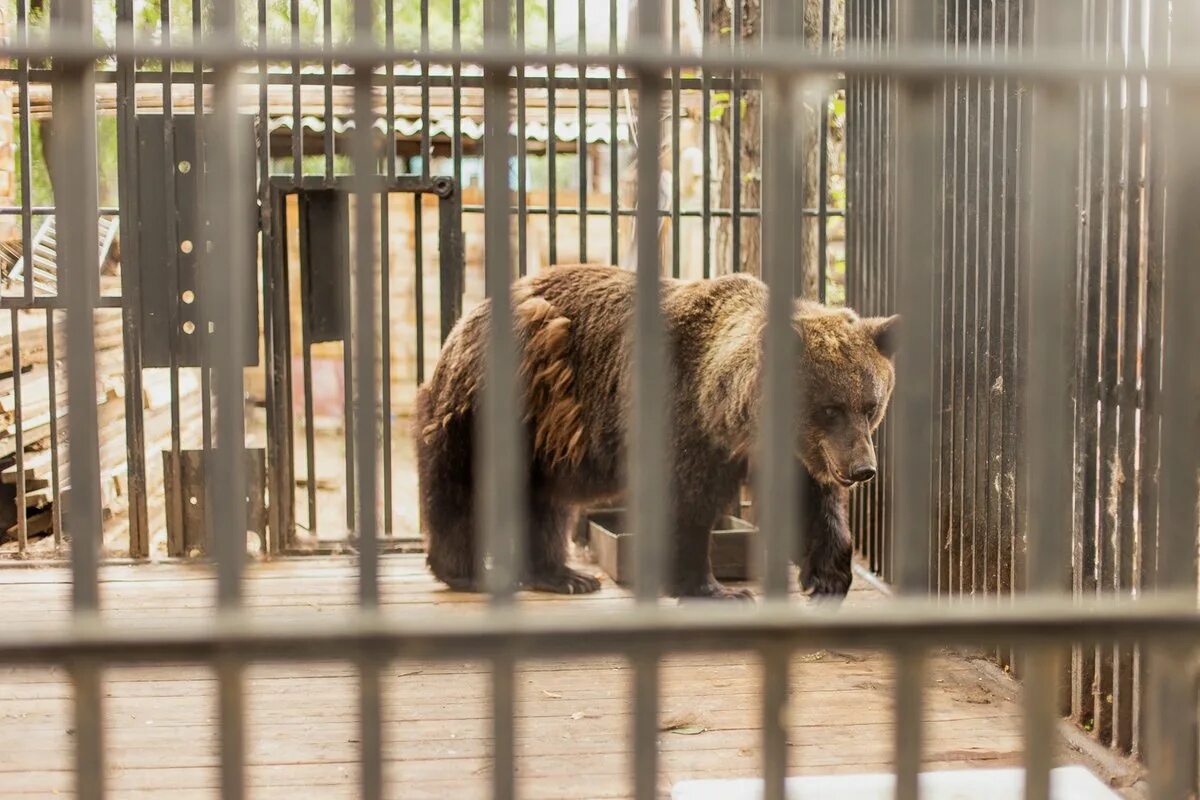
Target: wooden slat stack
x=32 y=416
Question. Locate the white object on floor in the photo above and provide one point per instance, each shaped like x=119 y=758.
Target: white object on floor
x=1066 y=783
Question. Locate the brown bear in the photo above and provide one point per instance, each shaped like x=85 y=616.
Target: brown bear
x=573 y=328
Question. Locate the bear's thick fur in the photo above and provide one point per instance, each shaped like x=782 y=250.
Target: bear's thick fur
x=573 y=326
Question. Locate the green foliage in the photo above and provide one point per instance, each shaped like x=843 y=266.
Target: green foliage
x=308 y=22
x=39 y=176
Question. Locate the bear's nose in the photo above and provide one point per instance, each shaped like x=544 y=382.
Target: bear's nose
x=862 y=474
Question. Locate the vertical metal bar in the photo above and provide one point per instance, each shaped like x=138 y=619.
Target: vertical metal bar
x=502 y=487
x=1122 y=705
x=418 y=202
x=206 y=392
x=306 y=343
x=26 y=155
x=581 y=142
x=1019 y=367
x=705 y=144
x=56 y=509
x=18 y=427
x=366 y=413
x=933 y=527
x=996 y=182
x=648 y=434
x=523 y=153
x=978 y=335
x=1006 y=391
x=23 y=113
x=277 y=314
x=1051 y=326
x=385 y=272
x=327 y=78
x=175 y=512
x=267 y=248
x=776 y=477
x=952 y=455
x=501 y=482
x=131 y=300
x=614 y=144
x=775 y=718
x=419 y=282
x=350 y=419
x=426 y=122
x=873 y=226
x=963 y=267
x=909 y=732
x=941 y=524
x=1151 y=446
x=552 y=134
x=1110 y=354
x=74 y=157
x=366 y=490
x=915 y=361
x=735 y=109
x=972 y=308
x=456 y=137
x=1172 y=746
x=226 y=307
x=675 y=147
x=297 y=111
x=822 y=165
x=913 y=499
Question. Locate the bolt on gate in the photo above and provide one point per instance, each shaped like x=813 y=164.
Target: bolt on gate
x=972 y=230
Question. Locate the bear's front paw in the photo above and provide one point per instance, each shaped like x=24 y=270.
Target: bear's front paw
x=712 y=590
x=564 y=581
x=828 y=587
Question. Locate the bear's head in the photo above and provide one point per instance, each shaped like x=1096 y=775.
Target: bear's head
x=847 y=371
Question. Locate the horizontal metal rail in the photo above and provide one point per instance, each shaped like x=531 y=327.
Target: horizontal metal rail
x=1049 y=64
x=903 y=623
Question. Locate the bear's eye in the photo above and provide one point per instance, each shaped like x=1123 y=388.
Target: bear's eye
x=830 y=413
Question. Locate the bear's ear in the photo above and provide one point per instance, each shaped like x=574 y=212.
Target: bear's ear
x=885 y=332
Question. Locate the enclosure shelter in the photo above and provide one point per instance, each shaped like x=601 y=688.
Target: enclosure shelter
x=234 y=236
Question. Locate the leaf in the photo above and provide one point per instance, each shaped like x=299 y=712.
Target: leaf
x=687 y=730
x=554 y=695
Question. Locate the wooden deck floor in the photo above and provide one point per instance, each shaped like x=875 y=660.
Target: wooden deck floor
x=574 y=716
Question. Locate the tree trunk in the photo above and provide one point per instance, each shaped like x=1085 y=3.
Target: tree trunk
x=750 y=155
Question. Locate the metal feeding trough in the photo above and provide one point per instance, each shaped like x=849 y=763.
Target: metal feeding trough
x=612 y=545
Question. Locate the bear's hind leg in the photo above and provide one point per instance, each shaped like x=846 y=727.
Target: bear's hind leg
x=451 y=555
x=550 y=524
x=444 y=463
x=693 y=576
